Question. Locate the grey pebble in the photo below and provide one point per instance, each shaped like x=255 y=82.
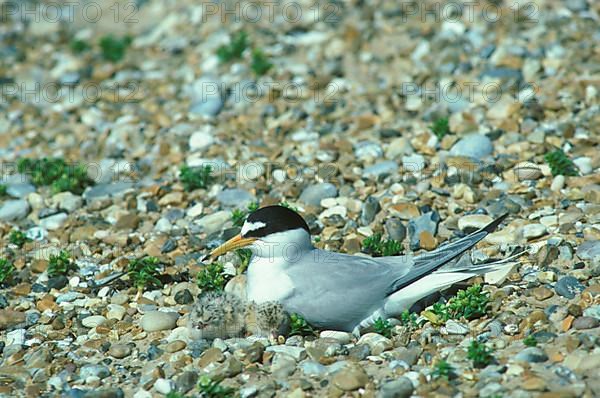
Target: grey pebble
x=402 y=387
x=13 y=210
x=532 y=354
x=313 y=194
x=569 y=287
x=475 y=146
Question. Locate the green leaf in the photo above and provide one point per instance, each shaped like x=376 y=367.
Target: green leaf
x=61 y=264
x=144 y=273
x=195 y=177
x=560 y=164
x=7 y=270
x=440 y=127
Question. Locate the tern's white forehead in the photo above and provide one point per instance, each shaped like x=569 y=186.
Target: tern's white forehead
x=252 y=226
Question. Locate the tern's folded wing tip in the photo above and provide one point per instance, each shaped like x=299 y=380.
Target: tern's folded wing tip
x=491 y=227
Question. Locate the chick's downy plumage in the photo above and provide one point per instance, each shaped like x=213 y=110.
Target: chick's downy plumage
x=218 y=314
x=268 y=319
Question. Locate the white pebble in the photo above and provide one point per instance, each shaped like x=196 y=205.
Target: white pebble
x=163 y=386
x=558 y=183
x=116 y=311
x=93 y=321
x=584 y=164
x=532 y=231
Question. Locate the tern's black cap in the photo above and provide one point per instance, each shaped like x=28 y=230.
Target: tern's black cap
x=272 y=219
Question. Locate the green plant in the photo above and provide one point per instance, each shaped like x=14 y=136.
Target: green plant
x=211 y=277
x=79 y=46
x=383 y=327
x=480 y=354
x=60 y=264
x=3 y=189
x=114 y=48
x=56 y=173
x=210 y=388
x=560 y=164
x=7 y=270
x=530 y=341
x=377 y=247
x=260 y=63
x=144 y=273
x=17 y=238
x=234 y=49
x=408 y=318
x=174 y=394
x=468 y=304
x=443 y=370
x=440 y=127
x=244 y=255
x=288 y=206
x=238 y=216
x=195 y=177
x=299 y=326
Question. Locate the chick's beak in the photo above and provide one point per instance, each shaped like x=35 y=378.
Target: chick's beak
x=237 y=242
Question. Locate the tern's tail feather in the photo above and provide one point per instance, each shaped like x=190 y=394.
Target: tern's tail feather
x=429 y=262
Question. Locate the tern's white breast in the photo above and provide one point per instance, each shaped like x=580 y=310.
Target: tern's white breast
x=268 y=281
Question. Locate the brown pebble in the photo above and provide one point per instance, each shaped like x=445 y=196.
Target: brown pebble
x=427 y=241
x=586 y=322
x=575 y=310
x=175 y=346
x=58 y=324
x=119 y=350
x=542 y=293
x=209 y=356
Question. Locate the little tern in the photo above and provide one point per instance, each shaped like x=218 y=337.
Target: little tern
x=341 y=291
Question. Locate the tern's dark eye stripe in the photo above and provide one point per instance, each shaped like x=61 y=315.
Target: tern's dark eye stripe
x=275 y=219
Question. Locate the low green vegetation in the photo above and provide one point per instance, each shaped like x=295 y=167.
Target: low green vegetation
x=468 y=304
x=288 y=206
x=299 y=326
x=56 y=173
x=238 y=216
x=195 y=177
x=211 y=277
x=235 y=48
x=442 y=370
x=376 y=247
x=560 y=164
x=17 y=238
x=114 y=48
x=79 y=46
x=260 y=63
x=143 y=273
x=440 y=127
x=244 y=255
x=3 y=189
x=530 y=341
x=210 y=388
x=7 y=269
x=383 y=327
x=408 y=318
x=61 y=264
x=480 y=354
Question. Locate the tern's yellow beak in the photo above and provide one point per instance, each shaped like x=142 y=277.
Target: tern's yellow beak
x=237 y=242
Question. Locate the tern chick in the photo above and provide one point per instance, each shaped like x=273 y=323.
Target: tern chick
x=268 y=319
x=218 y=314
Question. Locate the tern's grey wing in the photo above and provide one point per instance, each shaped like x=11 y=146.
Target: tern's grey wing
x=334 y=290
x=426 y=263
